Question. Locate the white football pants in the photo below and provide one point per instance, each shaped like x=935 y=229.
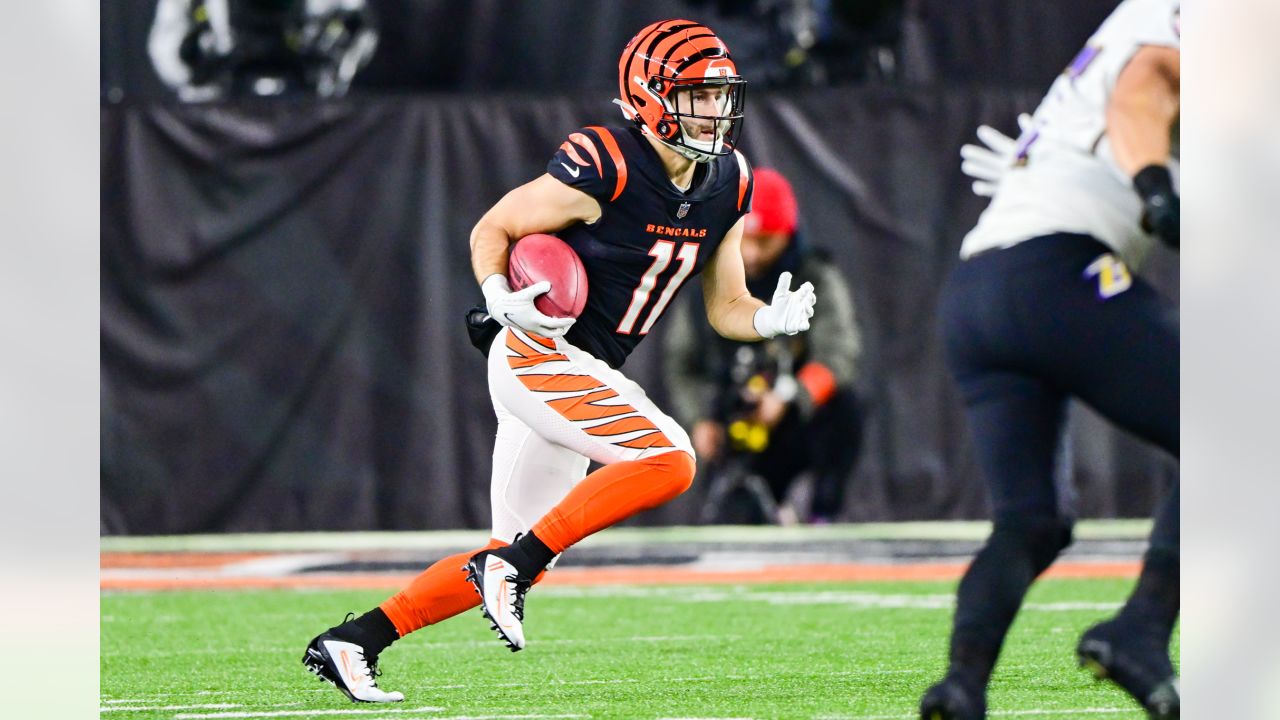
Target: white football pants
x=558 y=408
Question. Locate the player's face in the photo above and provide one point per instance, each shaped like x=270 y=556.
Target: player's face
x=706 y=100
x=760 y=250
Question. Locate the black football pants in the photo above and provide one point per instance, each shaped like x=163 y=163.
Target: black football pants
x=1025 y=328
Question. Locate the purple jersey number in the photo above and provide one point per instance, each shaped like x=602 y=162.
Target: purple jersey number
x=1078 y=65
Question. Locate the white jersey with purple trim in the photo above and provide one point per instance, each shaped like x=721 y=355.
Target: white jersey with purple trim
x=1065 y=178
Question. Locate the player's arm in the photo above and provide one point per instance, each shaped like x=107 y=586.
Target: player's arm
x=731 y=310
x=542 y=205
x=1140 y=115
x=730 y=307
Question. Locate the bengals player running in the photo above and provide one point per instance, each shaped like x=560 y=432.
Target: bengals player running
x=646 y=207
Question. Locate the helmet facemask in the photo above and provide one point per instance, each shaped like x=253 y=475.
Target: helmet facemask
x=703 y=115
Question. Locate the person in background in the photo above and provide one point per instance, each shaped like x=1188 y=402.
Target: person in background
x=777 y=409
x=210 y=49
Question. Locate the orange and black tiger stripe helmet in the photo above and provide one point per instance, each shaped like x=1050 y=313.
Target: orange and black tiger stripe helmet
x=674 y=55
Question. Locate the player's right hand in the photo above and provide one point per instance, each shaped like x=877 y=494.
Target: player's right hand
x=516 y=309
x=987 y=163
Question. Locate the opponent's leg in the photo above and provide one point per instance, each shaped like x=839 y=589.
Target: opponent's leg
x=1016 y=424
x=1122 y=359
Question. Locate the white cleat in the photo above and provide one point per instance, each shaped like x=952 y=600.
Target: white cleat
x=502 y=594
x=343 y=664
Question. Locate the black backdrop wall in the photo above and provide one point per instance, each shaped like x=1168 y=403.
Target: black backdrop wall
x=283 y=284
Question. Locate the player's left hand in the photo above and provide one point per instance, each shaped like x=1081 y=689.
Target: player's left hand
x=1161 y=212
x=987 y=163
x=789 y=312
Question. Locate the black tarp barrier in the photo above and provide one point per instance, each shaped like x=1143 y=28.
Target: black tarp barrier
x=283 y=285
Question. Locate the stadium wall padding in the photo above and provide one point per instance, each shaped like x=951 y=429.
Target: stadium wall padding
x=283 y=285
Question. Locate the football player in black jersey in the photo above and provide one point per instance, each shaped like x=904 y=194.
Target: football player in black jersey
x=645 y=207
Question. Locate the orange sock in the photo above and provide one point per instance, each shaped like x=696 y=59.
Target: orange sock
x=612 y=494
x=439 y=593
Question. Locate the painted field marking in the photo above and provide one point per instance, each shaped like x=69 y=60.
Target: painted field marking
x=822 y=597
x=1000 y=713
x=305 y=713
x=149 y=708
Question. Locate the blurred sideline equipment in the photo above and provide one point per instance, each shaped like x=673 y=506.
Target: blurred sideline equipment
x=539 y=257
x=764 y=415
x=1045 y=306
x=211 y=49
x=644 y=207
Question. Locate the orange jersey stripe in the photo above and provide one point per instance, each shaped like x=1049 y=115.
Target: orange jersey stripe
x=584 y=407
x=624 y=425
x=569 y=150
x=744 y=177
x=615 y=152
x=590 y=147
x=560 y=383
x=653 y=439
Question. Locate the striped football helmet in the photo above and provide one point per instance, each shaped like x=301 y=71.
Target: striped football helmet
x=678 y=84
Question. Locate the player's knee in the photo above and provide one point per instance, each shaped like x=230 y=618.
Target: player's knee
x=1041 y=538
x=678 y=469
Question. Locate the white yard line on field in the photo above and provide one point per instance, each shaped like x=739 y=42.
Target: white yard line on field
x=859 y=599
x=150 y=708
x=306 y=713
x=990 y=713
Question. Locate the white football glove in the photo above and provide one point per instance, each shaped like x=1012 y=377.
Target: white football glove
x=987 y=165
x=789 y=312
x=516 y=309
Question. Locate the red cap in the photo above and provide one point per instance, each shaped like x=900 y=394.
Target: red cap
x=773 y=204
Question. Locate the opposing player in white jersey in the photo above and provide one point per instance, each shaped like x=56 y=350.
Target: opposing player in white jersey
x=1045 y=306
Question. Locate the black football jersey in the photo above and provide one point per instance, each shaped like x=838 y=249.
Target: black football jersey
x=650 y=239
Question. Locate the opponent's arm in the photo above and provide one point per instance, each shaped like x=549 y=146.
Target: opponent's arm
x=731 y=310
x=1140 y=114
x=539 y=206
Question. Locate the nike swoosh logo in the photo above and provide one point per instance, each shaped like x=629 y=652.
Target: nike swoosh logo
x=571 y=170
x=346 y=665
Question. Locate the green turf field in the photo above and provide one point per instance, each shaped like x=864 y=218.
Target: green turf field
x=864 y=650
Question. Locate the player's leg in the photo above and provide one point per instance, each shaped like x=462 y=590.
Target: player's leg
x=573 y=400
x=1015 y=422
x=1124 y=363
x=529 y=476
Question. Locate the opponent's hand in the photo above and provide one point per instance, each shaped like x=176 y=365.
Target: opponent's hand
x=987 y=163
x=789 y=312
x=516 y=309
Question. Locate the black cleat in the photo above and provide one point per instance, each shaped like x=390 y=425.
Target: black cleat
x=343 y=664
x=502 y=592
x=953 y=699
x=1136 y=662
